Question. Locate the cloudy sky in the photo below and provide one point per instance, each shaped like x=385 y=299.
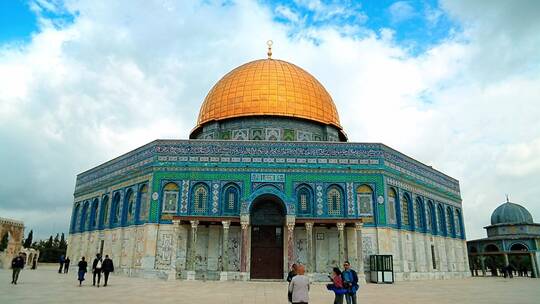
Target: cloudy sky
x=454 y=84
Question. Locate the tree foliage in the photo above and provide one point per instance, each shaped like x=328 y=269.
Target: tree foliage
x=28 y=241
x=4 y=242
x=51 y=249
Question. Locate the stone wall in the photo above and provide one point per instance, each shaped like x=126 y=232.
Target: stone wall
x=15 y=231
x=163 y=251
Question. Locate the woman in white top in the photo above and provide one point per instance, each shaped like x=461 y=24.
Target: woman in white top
x=299 y=286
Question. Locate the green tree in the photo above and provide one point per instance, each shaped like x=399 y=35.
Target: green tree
x=49 y=243
x=63 y=244
x=28 y=240
x=4 y=242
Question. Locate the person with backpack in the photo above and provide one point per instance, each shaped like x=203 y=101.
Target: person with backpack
x=96 y=270
x=337 y=285
x=350 y=282
x=107 y=268
x=290 y=276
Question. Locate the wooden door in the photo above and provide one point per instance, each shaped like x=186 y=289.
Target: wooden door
x=267 y=252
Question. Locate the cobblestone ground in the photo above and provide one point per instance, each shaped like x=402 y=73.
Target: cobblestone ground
x=46 y=286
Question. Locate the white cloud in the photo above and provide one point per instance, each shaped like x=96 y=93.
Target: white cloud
x=401 y=11
x=124 y=74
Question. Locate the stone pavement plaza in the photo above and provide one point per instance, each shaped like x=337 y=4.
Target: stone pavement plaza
x=46 y=286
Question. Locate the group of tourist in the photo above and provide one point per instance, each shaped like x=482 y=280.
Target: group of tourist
x=99 y=265
x=344 y=284
x=64 y=264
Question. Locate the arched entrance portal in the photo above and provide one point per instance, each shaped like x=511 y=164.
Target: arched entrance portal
x=267 y=220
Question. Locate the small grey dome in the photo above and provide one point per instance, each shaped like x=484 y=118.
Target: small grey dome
x=510 y=213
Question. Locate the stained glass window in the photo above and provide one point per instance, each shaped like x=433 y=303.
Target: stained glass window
x=144 y=206
x=391 y=206
x=200 y=199
x=405 y=210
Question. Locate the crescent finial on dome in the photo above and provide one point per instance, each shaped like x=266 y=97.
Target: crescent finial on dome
x=269 y=43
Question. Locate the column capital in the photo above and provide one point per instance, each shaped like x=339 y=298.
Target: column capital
x=226 y=224
x=290 y=226
x=194 y=224
x=244 y=225
x=340 y=226
x=358 y=226
x=176 y=222
x=309 y=225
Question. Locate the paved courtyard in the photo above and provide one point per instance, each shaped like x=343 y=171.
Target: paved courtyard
x=46 y=286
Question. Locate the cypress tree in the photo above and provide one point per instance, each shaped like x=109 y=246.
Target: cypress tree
x=28 y=240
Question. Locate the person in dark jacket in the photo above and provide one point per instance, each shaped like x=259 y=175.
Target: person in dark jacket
x=107 y=268
x=66 y=265
x=83 y=266
x=61 y=261
x=34 y=263
x=96 y=269
x=290 y=276
x=350 y=282
x=17 y=264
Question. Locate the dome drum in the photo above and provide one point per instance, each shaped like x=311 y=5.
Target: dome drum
x=267 y=128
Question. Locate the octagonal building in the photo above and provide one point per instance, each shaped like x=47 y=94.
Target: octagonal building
x=268 y=179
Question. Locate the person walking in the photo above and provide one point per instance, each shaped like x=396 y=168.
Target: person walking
x=34 y=263
x=96 y=269
x=66 y=265
x=299 y=286
x=83 y=266
x=350 y=282
x=17 y=264
x=107 y=268
x=61 y=261
x=290 y=276
x=337 y=285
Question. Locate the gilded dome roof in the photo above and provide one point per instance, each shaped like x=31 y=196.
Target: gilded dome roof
x=269 y=87
x=510 y=213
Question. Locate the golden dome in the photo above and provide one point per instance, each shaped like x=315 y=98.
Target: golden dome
x=269 y=87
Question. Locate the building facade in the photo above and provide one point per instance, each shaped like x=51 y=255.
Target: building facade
x=513 y=238
x=14 y=230
x=268 y=179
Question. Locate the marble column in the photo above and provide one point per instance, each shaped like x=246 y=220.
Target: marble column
x=534 y=265
x=483 y=265
x=341 y=241
x=224 y=251
x=360 y=250
x=506 y=262
x=309 y=253
x=174 y=251
x=244 y=250
x=290 y=244
x=192 y=251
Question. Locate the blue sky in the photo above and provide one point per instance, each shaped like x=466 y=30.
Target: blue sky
x=416 y=25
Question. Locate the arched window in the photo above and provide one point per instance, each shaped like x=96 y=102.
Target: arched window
x=404 y=210
x=491 y=248
x=334 y=201
x=450 y=222
x=200 y=198
x=231 y=195
x=440 y=220
x=94 y=216
x=130 y=205
x=418 y=214
x=75 y=219
x=84 y=216
x=457 y=222
x=518 y=247
x=105 y=210
x=170 y=198
x=143 y=203
x=364 y=199
x=392 y=205
x=115 y=218
x=303 y=198
x=431 y=226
